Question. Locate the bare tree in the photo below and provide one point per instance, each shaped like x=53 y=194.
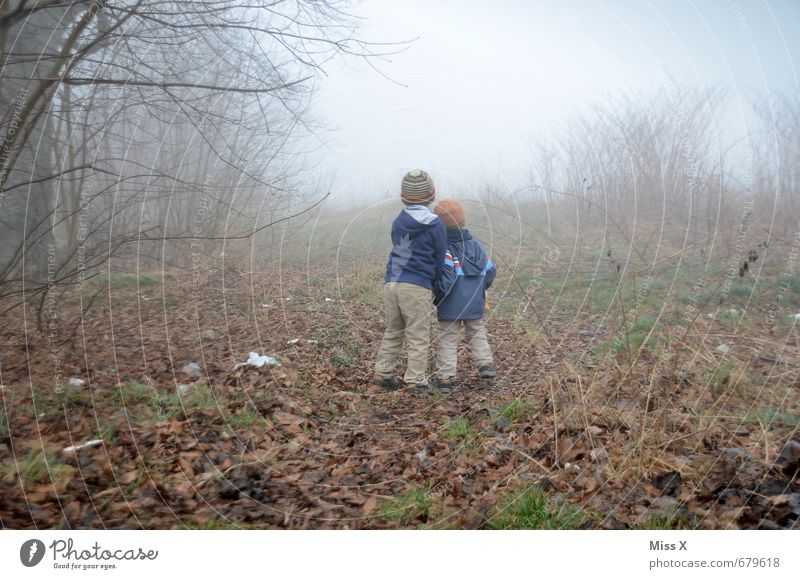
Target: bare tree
x=132 y=126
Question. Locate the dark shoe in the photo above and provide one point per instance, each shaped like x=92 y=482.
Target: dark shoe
x=392 y=383
x=442 y=386
x=487 y=372
x=445 y=388
x=418 y=389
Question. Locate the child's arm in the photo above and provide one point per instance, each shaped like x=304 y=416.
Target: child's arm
x=439 y=248
x=444 y=283
x=491 y=272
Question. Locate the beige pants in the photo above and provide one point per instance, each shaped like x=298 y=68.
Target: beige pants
x=449 y=334
x=408 y=313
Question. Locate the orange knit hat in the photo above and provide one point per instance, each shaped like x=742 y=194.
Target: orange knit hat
x=451 y=213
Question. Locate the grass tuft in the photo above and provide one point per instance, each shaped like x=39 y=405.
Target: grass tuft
x=532 y=508
x=419 y=504
x=461 y=429
x=35 y=468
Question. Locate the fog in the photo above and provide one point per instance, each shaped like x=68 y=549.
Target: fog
x=476 y=81
x=142 y=133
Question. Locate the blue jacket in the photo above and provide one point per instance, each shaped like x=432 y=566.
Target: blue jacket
x=467 y=274
x=419 y=240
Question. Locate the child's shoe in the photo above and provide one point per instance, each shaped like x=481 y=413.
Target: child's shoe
x=391 y=383
x=419 y=389
x=487 y=372
x=442 y=386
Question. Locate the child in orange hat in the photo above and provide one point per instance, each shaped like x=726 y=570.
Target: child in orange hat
x=460 y=293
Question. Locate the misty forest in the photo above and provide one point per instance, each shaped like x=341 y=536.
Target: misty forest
x=192 y=296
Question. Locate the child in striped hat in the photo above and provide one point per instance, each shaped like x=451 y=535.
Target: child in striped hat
x=419 y=240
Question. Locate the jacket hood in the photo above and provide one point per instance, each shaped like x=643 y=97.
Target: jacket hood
x=416 y=219
x=456 y=235
x=471 y=259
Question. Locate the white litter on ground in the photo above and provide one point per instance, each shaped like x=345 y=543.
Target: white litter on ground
x=257 y=361
x=723 y=348
x=76 y=382
x=193 y=370
x=76 y=448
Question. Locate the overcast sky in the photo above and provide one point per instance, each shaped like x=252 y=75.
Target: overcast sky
x=480 y=78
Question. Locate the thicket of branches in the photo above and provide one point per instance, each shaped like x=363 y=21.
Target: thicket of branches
x=167 y=132
x=637 y=166
x=131 y=128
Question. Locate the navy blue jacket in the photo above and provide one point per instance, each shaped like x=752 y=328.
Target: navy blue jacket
x=468 y=272
x=420 y=241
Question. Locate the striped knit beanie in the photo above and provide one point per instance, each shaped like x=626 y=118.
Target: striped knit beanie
x=451 y=213
x=417 y=188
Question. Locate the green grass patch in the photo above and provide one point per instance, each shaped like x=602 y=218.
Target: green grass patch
x=741 y=290
x=513 y=410
x=727 y=376
x=505 y=307
x=246 y=419
x=132 y=393
x=674 y=520
x=339 y=359
x=419 y=504
x=790 y=281
x=365 y=290
x=460 y=429
x=642 y=325
x=532 y=508
x=137 y=401
x=771 y=416
x=199 y=399
x=109 y=434
x=124 y=281
x=69 y=397
x=35 y=468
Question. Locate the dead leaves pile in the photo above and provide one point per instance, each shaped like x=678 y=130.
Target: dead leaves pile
x=312 y=444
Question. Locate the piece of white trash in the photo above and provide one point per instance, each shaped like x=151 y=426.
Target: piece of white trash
x=193 y=370
x=796 y=316
x=294 y=341
x=257 y=361
x=76 y=382
x=76 y=448
x=723 y=348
